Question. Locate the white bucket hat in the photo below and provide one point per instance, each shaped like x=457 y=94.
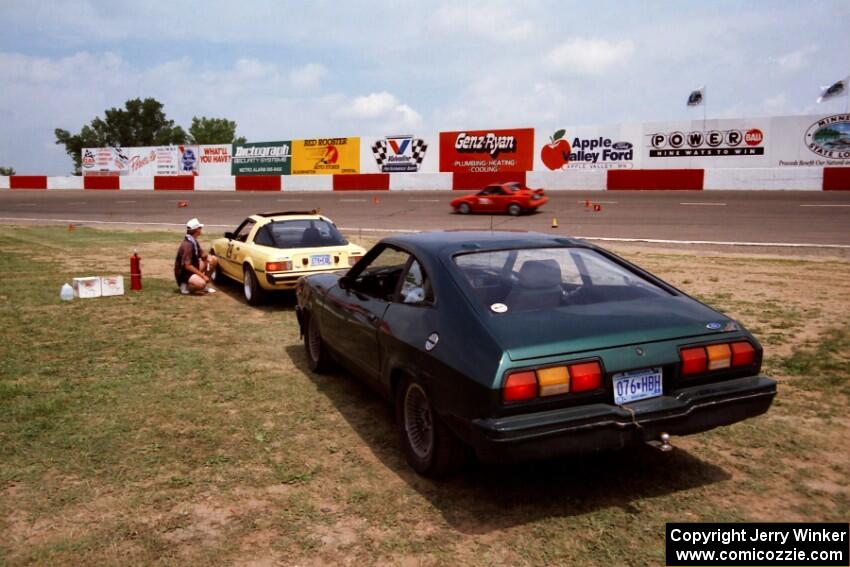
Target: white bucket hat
x=194 y=224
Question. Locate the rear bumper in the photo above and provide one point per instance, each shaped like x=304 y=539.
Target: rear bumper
x=288 y=280
x=598 y=427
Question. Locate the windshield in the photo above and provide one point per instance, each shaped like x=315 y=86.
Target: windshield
x=547 y=278
x=302 y=234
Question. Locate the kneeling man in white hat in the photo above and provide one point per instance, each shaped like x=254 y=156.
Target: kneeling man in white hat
x=193 y=266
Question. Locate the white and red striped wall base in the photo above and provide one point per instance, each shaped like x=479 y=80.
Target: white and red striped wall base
x=773 y=179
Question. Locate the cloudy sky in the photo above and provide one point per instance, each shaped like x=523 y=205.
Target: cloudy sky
x=286 y=70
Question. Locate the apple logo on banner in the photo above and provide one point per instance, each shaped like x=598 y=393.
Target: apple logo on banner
x=556 y=154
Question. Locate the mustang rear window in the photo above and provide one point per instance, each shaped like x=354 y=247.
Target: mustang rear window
x=300 y=234
x=546 y=278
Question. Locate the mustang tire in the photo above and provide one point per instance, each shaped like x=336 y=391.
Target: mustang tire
x=318 y=358
x=430 y=447
x=514 y=210
x=251 y=288
x=463 y=208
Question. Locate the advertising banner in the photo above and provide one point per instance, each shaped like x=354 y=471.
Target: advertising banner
x=326 y=156
x=214 y=160
x=588 y=147
x=400 y=153
x=812 y=141
x=262 y=158
x=706 y=144
x=141 y=162
x=487 y=151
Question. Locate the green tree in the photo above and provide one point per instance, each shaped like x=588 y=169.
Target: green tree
x=213 y=131
x=139 y=123
x=6 y=171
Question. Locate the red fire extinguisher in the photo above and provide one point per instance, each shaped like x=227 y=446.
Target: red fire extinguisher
x=135 y=271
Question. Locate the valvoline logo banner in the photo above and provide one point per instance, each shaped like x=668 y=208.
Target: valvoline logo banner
x=402 y=153
x=487 y=151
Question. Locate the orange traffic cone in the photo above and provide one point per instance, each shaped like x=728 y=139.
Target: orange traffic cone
x=376 y=200
x=71 y=228
x=597 y=207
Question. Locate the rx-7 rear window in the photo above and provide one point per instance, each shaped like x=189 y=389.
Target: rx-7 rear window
x=547 y=278
x=307 y=233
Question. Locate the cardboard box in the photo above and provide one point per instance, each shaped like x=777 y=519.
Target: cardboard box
x=111 y=285
x=85 y=288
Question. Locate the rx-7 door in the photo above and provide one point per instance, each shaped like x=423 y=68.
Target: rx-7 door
x=236 y=250
x=354 y=310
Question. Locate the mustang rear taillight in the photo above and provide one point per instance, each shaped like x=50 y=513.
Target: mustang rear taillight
x=353 y=260
x=586 y=376
x=278 y=266
x=743 y=354
x=701 y=359
x=520 y=386
x=694 y=360
x=552 y=381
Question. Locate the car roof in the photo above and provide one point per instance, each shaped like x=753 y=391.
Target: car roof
x=288 y=215
x=451 y=241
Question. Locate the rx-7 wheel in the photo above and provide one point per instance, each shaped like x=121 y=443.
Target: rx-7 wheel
x=216 y=276
x=464 y=208
x=430 y=447
x=318 y=357
x=251 y=288
x=514 y=210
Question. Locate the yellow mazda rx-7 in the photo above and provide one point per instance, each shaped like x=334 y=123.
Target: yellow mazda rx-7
x=271 y=251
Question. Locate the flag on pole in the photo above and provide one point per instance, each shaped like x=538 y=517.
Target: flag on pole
x=696 y=97
x=836 y=89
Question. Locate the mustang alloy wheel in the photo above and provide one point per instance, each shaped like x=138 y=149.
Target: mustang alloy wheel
x=418 y=421
x=514 y=209
x=463 y=208
x=430 y=447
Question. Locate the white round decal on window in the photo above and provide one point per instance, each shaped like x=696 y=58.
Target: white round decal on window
x=499 y=308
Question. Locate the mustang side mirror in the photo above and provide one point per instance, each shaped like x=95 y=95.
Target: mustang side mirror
x=228 y=235
x=344 y=283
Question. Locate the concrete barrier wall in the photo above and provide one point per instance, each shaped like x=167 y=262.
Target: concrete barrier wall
x=420 y=182
x=215 y=183
x=74 y=182
x=769 y=179
x=744 y=179
x=569 y=180
x=308 y=183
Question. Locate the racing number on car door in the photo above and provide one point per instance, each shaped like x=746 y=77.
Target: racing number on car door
x=236 y=247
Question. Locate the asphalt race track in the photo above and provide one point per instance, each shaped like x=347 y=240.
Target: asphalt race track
x=787 y=217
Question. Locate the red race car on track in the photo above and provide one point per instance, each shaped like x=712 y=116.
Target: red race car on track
x=512 y=198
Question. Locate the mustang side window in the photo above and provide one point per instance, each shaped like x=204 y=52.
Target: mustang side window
x=380 y=278
x=416 y=287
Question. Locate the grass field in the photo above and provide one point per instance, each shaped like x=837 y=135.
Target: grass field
x=158 y=429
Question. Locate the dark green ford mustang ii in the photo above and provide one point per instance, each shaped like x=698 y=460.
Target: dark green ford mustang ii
x=526 y=345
